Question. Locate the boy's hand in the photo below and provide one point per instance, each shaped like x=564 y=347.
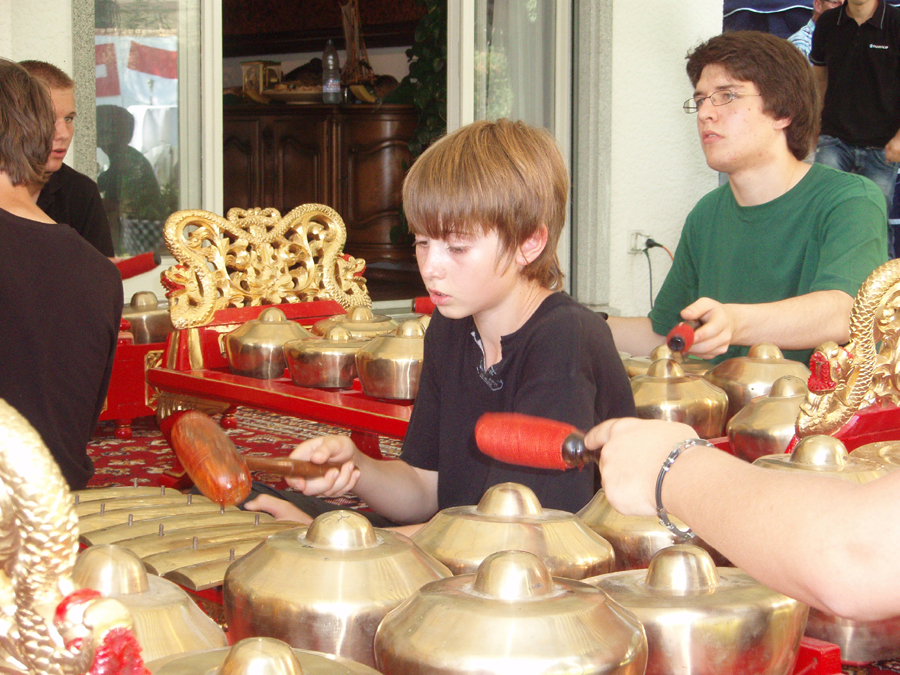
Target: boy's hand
x=322 y=449
x=633 y=452
x=279 y=508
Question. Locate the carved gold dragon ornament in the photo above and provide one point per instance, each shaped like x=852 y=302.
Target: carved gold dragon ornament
x=256 y=257
x=46 y=625
x=846 y=379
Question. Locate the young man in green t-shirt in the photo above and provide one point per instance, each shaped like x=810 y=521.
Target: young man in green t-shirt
x=777 y=253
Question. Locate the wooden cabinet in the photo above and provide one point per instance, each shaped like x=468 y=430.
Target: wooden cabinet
x=351 y=158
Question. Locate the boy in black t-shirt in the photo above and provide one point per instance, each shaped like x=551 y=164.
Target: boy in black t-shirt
x=486 y=204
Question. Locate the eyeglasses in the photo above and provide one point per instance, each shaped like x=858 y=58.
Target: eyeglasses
x=723 y=97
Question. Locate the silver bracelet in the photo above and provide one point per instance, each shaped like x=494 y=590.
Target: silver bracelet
x=660 y=509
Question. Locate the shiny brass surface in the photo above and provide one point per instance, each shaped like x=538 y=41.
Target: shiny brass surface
x=824 y=455
x=704 y=620
x=635 y=539
x=509 y=516
x=116 y=533
x=860 y=641
x=766 y=425
x=112 y=517
x=360 y=322
x=510 y=617
x=171 y=540
x=886 y=453
x=257 y=257
x=666 y=392
x=746 y=377
x=326 y=586
x=204 y=575
x=258 y=656
x=256 y=349
x=328 y=362
x=172 y=498
x=166 y=620
x=639 y=365
x=163 y=563
x=94 y=494
x=390 y=366
x=149 y=322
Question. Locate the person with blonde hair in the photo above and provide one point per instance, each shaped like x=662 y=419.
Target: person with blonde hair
x=486 y=205
x=69 y=197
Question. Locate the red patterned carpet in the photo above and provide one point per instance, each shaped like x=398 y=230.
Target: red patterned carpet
x=146 y=455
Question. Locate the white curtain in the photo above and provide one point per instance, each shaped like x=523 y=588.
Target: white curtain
x=515 y=60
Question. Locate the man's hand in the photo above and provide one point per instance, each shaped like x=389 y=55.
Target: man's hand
x=892 y=149
x=717 y=328
x=322 y=449
x=632 y=454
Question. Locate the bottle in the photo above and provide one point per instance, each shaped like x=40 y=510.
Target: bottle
x=331 y=75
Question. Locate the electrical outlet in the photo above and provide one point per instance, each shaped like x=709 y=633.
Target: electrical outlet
x=637 y=241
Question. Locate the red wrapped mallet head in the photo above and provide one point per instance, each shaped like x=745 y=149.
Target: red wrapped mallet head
x=681 y=337
x=531 y=441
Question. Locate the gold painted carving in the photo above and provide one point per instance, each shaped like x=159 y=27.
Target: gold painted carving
x=865 y=371
x=38 y=546
x=257 y=257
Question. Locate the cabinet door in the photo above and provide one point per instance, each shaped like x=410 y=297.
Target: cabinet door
x=299 y=171
x=373 y=156
x=241 y=162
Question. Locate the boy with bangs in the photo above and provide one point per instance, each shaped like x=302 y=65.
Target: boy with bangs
x=486 y=204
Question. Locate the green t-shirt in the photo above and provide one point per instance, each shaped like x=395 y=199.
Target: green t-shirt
x=829 y=232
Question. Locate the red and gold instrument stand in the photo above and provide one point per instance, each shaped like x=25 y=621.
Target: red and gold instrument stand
x=193 y=373
x=129 y=396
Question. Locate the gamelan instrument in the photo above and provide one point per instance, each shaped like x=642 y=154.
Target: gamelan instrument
x=218 y=470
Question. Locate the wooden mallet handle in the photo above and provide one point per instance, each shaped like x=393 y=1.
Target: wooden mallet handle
x=218 y=470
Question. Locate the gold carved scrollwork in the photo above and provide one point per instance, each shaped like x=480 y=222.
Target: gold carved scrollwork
x=257 y=257
x=866 y=370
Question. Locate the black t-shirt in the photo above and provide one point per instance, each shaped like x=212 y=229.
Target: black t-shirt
x=562 y=365
x=73 y=199
x=862 y=101
x=60 y=302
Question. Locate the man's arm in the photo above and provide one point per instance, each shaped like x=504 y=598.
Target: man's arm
x=802 y=322
x=837 y=551
x=634 y=335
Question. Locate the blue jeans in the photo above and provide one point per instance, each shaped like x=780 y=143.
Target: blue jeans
x=864 y=161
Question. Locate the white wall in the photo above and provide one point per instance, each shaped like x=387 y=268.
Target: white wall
x=646 y=168
x=37 y=30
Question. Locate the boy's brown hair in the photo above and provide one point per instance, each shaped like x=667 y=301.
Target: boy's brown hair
x=48 y=73
x=27 y=125
x=780 y=72
x=498 y=176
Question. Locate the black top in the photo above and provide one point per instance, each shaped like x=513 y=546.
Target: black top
x=562 y=365
x=60 y=302
x=862 y=101
x=72 y=198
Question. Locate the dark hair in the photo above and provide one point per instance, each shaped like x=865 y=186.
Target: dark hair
x=780 y=72
x=27 y=125
x=48 y=73
x=498 y=176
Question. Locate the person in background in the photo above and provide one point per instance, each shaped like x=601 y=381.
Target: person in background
x=60 y=298
x=486 y=204
x=778 y=253
x=856 y=59
x=69 y=197
x=829 y=543
x=802 y=39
